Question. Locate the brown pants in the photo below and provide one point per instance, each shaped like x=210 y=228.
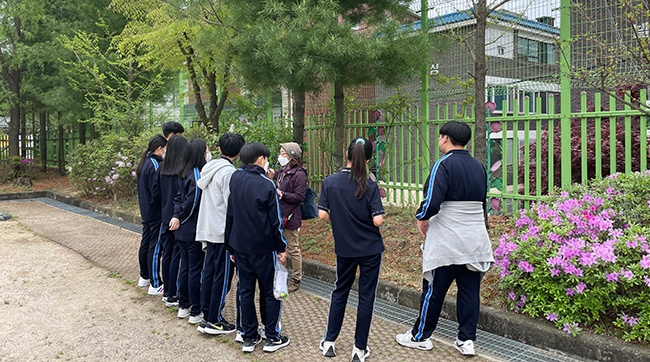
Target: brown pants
x=293 y=249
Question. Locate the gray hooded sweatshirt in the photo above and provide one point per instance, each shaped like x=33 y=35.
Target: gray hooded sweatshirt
x=215 y=183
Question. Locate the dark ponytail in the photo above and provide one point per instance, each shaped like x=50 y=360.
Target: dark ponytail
x=155 y=142
x=360 y=151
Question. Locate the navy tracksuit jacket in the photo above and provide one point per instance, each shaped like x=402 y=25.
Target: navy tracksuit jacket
x=254 y=235
x=149 y=200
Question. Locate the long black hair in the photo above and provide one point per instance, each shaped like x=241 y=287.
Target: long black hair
x=359 y=151
x=173 y=164
x=194 y=156
x=155 y=142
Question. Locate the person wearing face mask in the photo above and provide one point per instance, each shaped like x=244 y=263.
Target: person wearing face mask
x=457 y=247
x=210 y=228
x=291 y=183
x=255 y=237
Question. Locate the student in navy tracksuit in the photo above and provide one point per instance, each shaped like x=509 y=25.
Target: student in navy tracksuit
x=169 y=171
x=457 y=246
x=149 y=200
x=183 y=223
x=351 y=202
x=254 y=235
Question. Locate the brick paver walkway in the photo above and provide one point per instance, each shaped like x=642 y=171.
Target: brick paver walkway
x=304 y=315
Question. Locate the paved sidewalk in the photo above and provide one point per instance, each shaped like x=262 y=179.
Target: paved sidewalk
x=115 y=249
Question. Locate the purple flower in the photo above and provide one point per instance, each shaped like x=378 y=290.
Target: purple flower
x=571 y=328
x=616 y=233
x=551 y=316
x=133 y=174
x=612 y=277
x=581 y=287
x=570 y=292
x=526 y=267
x=119 y=163
x=555 y=272
x=587 y=259
x=116 y=176
x=645 y=262
x=564 y=194
x=108 y=179
x=629 y=320
x=646 y=280
x=512 y=296
x=631 y=244
x=129 y=164
x=627 y=274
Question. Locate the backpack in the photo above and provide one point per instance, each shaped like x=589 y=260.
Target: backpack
x=308 y=208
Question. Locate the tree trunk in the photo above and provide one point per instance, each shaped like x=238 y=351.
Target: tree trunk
x=338 y=146
x=82 y=132
x=43 y=140
x=480 y=71
x=299 y=118
x=61 y=148
x=188 y=52
x=23 y=135
x=223 y=96
x=211 y=85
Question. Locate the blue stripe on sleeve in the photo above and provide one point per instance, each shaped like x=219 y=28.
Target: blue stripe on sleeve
x=430 y=188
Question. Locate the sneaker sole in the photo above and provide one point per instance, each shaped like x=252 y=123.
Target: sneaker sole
x=218 y=331
x=172 y=304
x=470 y=354
x=247 y=349
x=416 y=346
x=275 y=347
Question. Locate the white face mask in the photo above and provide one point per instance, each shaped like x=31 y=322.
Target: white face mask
x=208 y=156
x=282 y=160
x=163 y=155
x=266 y=166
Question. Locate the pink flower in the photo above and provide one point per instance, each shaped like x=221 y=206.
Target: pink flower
x=612 y=277
x=587 y=259
x=555 y=272
x=581 y=287
x=551 y=316
x=526 y=267
x=570 y=292
x=645 y=262
x=512 y=296
x=627 y=274
x=646 y=280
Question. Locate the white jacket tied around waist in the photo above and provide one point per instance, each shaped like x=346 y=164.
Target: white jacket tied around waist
x=215 y=183
x=457 y=236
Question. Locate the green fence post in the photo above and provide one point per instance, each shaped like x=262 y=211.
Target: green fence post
x=565 y=88
x=424 y=99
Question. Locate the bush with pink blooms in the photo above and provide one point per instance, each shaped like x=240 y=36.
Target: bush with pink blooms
x=580 y=258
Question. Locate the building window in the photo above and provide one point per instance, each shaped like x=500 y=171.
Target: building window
x=535 y=51
x=501 y=50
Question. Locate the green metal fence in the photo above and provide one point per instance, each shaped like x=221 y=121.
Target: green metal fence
x=524 y=149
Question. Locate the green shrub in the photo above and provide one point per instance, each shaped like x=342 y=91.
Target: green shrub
x=581 y=258
x=106 y=167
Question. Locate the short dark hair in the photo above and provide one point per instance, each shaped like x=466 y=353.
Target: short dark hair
x=459 y=133
x=231 y=143
x=172 y=127
x=250 y=152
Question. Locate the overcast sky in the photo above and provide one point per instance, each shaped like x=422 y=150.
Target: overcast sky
x=531 y=8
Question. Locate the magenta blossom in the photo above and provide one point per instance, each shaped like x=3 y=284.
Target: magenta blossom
x=581 y=287
x=526 y=267
x=645 y=262
x=551 y=316
x=612 y=277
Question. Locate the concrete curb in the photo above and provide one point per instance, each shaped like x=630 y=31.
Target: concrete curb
x=530 y=331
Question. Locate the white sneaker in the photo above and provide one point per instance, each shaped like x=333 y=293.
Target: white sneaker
x=407 y=340
x=183 y=312
x=465 y=348
x=142 y=282
x=195 y=319
x=359 y=355
x=156 y=291
x=239 y=338
x=328 y=348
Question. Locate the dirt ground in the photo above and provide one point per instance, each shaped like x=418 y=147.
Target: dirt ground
x=56 y=305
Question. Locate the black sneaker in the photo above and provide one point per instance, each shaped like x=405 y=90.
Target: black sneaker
x=172 y=301
x=222 y=327
x=274 y=344
x=250 y=343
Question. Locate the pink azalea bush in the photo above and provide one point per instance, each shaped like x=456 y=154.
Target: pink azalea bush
x=581 y=258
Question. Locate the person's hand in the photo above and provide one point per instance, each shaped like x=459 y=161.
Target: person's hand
x=282 y=257
x=270 y=173
x=174 y=224
x=423 y=227
x=232 y=258
x=279 y=193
